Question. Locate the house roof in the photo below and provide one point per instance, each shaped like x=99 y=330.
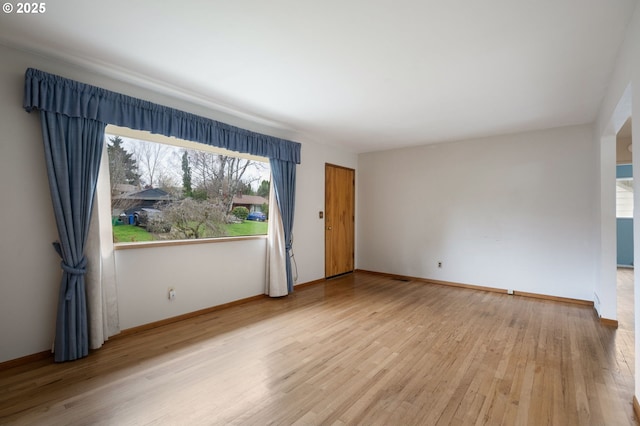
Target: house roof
x=151 y=194
x=363 y=75
x=253 y=200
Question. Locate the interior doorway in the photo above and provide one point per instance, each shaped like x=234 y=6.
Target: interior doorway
x=624 y=232
x=339 y=229
x=624 y=196
x=614 y=298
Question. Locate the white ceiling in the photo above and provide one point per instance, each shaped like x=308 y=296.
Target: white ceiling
x=367 y=75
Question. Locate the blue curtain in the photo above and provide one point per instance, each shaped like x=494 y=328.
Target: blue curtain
x=73 y=147
x=283 y=174
x=74 y=116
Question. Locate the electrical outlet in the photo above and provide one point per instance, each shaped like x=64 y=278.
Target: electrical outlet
x=440 y=264
x=172 y=294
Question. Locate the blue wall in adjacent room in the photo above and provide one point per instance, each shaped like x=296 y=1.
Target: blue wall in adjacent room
x=624 y=226
x=625 y=241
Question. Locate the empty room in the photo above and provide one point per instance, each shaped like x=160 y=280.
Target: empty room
x=388 y=213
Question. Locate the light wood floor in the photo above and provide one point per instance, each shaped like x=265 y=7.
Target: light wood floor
x=360 y=349
x=625 y=335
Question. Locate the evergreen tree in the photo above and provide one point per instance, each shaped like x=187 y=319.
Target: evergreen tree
x=245 y=189
x=122 y=166
x=186 y=176
x=263 y=189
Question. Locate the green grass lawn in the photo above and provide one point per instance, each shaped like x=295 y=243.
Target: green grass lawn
x=248 y=227
x=132 y=233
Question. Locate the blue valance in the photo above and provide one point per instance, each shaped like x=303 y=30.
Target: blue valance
x=52 y=93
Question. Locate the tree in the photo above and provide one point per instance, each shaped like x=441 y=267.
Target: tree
x=263 y=189
x=122 y=166
x=167 y=183
x=244 y=188
x=221 y=176
x=149 y=156
x=192 y=219
x=186 y=175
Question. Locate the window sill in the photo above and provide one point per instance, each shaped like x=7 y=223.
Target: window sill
x=151 y=244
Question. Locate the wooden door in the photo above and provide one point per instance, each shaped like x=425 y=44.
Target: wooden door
x=339 y=222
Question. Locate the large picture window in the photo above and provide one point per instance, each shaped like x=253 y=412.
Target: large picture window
x=183 y=191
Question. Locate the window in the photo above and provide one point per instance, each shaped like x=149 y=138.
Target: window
x=167 y=189
x=624 y=198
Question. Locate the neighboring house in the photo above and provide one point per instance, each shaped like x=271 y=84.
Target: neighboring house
x=149 y=198
x=252 y=202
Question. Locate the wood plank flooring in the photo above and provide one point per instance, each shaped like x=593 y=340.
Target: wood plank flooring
x=360 y=349
x=626 y=323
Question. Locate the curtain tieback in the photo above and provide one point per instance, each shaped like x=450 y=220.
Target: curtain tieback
x=79 y=269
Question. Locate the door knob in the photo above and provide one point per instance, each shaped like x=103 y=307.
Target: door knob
x=329 y=228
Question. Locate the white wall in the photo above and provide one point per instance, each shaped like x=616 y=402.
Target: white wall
x=511 y=211
x=29 y=267
x=29 y=276
x=203 y=275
